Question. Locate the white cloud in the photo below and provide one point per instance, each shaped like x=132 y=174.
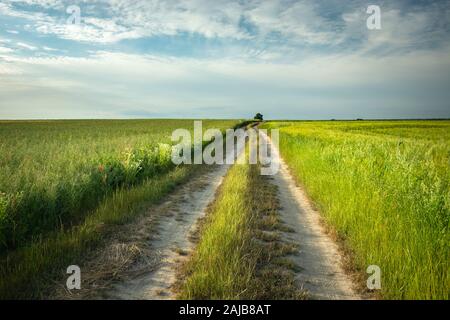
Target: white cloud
x=26 y=46
x=8 y=70
x=49 y=49
x=5 y=50
x=291 y=23
x=130 y=20
x=299 y=21
x=401 y=29
x=114 y=82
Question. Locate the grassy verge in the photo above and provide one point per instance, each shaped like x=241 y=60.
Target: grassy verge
x=30 y=271
x=384 y=186
x=240 y=254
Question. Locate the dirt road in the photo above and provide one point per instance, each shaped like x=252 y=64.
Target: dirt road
x=320 y=262
x=173 y=242
x=163 y=238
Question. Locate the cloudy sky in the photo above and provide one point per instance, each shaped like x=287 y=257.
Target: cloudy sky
x=223 y=59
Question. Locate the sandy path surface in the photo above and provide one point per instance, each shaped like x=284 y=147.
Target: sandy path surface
x=175 y=238
x=321 y=273
x=172 y=242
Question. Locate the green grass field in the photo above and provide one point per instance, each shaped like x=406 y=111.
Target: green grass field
x=384 y=186
x=62 y=182
x=53 y=172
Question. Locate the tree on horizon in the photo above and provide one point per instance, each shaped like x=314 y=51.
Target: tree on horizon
x=258 y=116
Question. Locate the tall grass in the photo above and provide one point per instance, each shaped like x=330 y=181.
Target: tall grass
x=54 y=172
x=385 y=187
x=223 y=274
x=31 y=271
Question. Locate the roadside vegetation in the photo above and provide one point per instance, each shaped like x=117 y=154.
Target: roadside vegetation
x=54 y=172
x=384 y=186
x=241 y=254
x=63 y=183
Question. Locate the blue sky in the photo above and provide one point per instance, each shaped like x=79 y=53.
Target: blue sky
x=224 y=59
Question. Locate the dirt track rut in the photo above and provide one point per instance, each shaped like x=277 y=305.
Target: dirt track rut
x=318 y=258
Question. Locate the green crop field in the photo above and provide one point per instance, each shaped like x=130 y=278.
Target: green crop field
x=58 y=175
x=384 y=186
